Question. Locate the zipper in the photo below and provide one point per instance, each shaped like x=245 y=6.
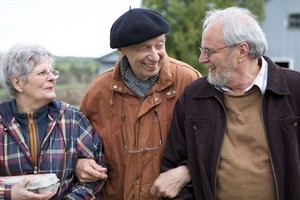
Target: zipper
x=32 y=138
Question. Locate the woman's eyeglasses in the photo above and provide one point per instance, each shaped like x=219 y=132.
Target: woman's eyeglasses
x=46 y=73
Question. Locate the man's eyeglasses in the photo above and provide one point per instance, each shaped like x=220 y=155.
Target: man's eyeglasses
x=46 y=73
x=210 y=52
x=145 y=148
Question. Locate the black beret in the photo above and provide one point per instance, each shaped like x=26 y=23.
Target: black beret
x=136 y=26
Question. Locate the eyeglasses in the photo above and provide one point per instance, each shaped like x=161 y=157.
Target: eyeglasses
x=210 y=52
x=46 y=73
x=145 y=148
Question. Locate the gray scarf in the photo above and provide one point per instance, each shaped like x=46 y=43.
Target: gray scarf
x=139 y=87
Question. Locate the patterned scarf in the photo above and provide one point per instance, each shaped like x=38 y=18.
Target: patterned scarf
x=139 y=87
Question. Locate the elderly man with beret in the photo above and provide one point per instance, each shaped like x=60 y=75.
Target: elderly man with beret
x=131 y=107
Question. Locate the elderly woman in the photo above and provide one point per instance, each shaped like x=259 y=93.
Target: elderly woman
x=39 y=134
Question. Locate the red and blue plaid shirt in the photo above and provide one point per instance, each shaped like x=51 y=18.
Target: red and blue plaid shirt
x=69 y=136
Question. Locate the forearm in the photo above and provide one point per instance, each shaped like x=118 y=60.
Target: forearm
x=170 y=183
x=184 y=175
x=91 y=167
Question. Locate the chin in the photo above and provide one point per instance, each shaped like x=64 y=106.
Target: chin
x=51 y=97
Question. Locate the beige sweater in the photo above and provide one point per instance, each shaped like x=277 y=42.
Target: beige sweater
x=245 y=171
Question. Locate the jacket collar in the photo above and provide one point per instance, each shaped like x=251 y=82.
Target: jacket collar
x=56 y=109
x=276 y=78
x=276 y=83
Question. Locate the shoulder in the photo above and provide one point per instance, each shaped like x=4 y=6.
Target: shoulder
x=6 y=110
x=100 y=87
x=5 y=106
x=279 y=72
x=178 y=72
x=282 y=78
x=183 y=67
x=199 y=85
x=104 y=77
x=60 y=109
x=292 y=74
x=292 y=79
x=73 y=116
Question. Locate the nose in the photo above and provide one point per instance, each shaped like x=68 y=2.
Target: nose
x=154 y=55
x=52 y=76
x=203 y=58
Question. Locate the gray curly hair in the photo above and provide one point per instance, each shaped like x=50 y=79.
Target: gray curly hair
x=19 y=61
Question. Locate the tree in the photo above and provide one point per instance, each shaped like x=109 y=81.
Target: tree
x=186 y=17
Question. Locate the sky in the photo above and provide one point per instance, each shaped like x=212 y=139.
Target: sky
x=77 y=28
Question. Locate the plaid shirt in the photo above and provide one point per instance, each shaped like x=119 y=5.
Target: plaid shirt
x=69 y=136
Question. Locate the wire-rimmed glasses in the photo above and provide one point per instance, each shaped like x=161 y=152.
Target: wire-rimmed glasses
x=145 y=148
x=46 y=73
x=210 y=52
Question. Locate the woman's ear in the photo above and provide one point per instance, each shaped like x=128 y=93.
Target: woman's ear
x=17 y=83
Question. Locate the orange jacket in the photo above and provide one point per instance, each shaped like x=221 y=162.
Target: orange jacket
x=130 y=176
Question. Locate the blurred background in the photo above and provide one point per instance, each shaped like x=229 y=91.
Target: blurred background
x=77 y=33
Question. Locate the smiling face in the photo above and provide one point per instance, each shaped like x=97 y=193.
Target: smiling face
x=145 y=58
x=220 y=63
x=39 y=89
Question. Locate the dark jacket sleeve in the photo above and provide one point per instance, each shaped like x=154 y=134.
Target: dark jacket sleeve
x=175 y=153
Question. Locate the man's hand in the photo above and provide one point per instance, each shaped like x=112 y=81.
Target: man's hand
x=87 y=170
x=19 y=191
x=169 y=183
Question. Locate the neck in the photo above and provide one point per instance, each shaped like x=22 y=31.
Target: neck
x=243 y=78
x=28 y=106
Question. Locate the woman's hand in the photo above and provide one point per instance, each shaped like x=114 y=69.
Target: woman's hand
x=19 y=191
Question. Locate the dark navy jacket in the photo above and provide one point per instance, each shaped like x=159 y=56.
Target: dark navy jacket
x=199 y=124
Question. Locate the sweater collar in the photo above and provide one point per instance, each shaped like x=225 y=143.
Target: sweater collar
x=39 y=115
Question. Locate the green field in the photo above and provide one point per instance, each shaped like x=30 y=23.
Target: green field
x=70 y=93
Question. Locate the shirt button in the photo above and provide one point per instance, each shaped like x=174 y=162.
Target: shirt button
x=168 y=93
x=173 y=92
x=115 y=86
x=156 y=99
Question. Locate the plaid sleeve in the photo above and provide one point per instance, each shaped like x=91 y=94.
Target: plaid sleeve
x=89 y=145
x=5 y=192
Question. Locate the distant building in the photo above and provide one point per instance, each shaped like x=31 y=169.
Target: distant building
x=282 y=28
x=107 y=61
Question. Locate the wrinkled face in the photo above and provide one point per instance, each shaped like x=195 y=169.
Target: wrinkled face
x=39 y=88
x=145 y=58
x=216 y=56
